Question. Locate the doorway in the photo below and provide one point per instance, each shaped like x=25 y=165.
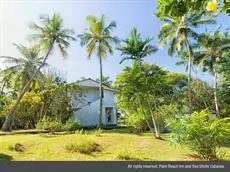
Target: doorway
x=109 y=114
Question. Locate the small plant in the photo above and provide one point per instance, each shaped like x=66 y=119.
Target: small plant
x=125 y=155
x=84 y=145
x=98 y=132
x=200 y=134
x=80 y=132
x=18 y=147
x=72 y=125
x=47 y=123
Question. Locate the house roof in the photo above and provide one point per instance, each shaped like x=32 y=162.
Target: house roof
x=94 y=84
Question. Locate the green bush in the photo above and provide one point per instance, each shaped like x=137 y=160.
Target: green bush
x=98 y=132
x=199 y=133
x=72 y=125
x=28 y=111
x=164 y=112
x=80 y=132
x=83 y=145
x=137 y=122
x=47 y=123
x=125 y=155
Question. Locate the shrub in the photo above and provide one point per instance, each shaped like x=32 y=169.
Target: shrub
x=80 y=132
x=137 y=122
x=47 y=123
x=17 y=147
x=72 y=125
x=125 y=155
x=83 y=145
x=162 y=113
x=201 y=134
x=98 y=132
x=28 y=111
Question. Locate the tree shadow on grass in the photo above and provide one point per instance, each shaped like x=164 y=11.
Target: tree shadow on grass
x=5 y=157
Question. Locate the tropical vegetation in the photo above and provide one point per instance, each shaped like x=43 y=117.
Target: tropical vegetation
x=98 y=38
x=153 y=103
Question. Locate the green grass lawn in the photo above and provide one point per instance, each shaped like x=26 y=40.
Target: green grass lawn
x=112 y=142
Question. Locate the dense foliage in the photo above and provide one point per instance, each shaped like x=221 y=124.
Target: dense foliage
x=143 y=89
x=151 y=97
x=181 y=7
x=201 y=133
x=53 y=102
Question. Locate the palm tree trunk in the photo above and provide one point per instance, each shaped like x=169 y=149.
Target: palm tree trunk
x=7 y=125
x=157 y=132
x=215 y=95
x=3 y=86
x=100 y=95
x=189 y=76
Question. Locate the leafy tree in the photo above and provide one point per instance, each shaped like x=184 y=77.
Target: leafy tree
x=178 y=8
x=28 y=111
x=183 y=6
x=135 y=47
x=57 y=100
x=48 y=34
x=179 y=32
x=178 y=82
x=202 y=95
x=226 y=7
x=224 y=85
x=98 y=38
x=141 y=92
x=212 y=47
x=168 y=111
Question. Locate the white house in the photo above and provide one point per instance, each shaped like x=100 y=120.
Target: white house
x=87 y=110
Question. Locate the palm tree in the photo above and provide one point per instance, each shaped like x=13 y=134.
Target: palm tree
x=136 y=48
x=21 y=68
x=184 y=62
x=98 y=38
x=211 y=49
x=48 y=34
x=178 y=32
x=105 y=81
x=5 y=81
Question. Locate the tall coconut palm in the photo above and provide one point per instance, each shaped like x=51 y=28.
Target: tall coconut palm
x=106 y=81
x=97 y=37
x=5 y=82
x=211 y=49
x=136 y=48
x=179 y=33
x=22 y=68
x=48 y=34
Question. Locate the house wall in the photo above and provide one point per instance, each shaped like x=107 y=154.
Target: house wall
x=89 y=113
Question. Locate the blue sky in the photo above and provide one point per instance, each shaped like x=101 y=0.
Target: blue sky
x=16 y=15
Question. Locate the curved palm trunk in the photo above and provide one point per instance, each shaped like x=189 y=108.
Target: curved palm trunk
x=215 y=95
x=3 y=87
x=189 y=76
x=7 y=125
x=100 y=95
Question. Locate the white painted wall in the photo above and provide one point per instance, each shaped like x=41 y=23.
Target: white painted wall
x=89 y=114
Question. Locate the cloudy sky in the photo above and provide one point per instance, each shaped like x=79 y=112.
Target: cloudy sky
x=15 y=15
